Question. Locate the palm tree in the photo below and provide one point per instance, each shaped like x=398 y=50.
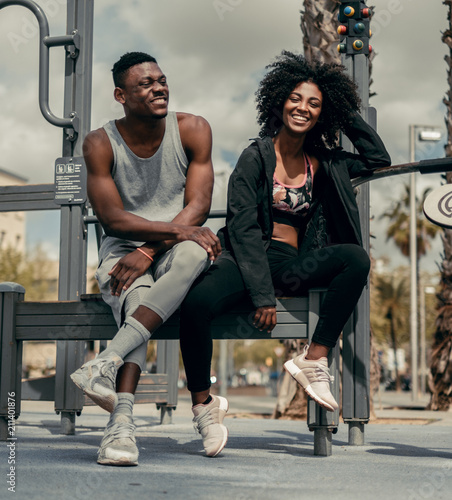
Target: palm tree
x=399 y=228
x=440 y=376
x=392 y=300
x=319 y=25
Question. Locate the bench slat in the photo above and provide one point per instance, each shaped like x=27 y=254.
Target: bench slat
x=151 y=389
x=289 y=331
x=91 y=319
x=139 y=399
x=85 y=307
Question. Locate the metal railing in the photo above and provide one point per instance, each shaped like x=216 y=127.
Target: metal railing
x=70 y=42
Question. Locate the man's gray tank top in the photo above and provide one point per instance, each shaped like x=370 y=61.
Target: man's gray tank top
x=152 y=188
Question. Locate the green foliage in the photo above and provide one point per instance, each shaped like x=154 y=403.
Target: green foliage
x=390 y=307
x=32 y=272
x=255 y=352
x=248 y=353
x=390 y=295
x=399 y=227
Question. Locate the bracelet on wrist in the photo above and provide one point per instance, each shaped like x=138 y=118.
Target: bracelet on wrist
x=144 y=253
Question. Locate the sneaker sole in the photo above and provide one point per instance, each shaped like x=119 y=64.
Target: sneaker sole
x=224 y=406
x=106 y=402
x=223 y=443
x=293 y=370
x=122 y=462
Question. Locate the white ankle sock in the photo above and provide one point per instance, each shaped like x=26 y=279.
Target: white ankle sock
x=130 y=335
x=124 y=409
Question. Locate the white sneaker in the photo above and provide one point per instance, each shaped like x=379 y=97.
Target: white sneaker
x=118 y=446
x=97 y=379
x=314 y=377
x=208 y=421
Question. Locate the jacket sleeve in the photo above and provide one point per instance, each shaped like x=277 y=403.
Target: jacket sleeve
x=245 y=233
x=372 y=151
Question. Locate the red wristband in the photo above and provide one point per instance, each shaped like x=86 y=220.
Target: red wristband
x=144 y=253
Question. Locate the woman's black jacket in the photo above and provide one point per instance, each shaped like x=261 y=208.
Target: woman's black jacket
x=335 y=218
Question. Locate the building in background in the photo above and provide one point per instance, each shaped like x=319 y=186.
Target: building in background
x=12 y=224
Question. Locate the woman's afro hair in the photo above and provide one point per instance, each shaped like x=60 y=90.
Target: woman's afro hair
x=339 y=92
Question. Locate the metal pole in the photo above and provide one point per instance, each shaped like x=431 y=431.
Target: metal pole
x=422 y=324
x=413 y=272
x=73 y=248
x=223 y=368
x=355 y=49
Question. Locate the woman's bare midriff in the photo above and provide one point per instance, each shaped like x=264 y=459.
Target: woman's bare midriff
x=285 y=234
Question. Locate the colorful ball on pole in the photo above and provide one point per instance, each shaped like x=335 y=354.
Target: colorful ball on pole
x=358 y=44
x=342 y=30
x=342 y=48
x=366 y=12
x=349 y=11
x=359 y=27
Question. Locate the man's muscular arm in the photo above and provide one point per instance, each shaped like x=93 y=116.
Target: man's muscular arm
x=196 y=137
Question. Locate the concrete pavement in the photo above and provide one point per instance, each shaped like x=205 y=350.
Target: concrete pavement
x=407 y=455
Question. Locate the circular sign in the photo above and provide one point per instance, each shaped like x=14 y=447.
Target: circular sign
x=438 y=206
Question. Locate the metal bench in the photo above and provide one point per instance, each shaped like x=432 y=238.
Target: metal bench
x=91 y=319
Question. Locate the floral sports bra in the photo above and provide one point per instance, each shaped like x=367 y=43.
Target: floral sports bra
x=291 y=204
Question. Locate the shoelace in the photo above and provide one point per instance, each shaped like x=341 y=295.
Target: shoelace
x=108 y=370
x=202 y=421
x=323 y=374
x=118 y=431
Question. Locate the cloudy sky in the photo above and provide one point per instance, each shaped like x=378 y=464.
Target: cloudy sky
x=214 y=53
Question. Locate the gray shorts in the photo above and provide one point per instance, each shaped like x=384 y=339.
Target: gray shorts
x=164 y=285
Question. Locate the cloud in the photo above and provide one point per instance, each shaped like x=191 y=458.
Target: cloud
x=214 y=54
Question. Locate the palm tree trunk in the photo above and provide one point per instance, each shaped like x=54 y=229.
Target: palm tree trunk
x=319 y=25
x=440 y=376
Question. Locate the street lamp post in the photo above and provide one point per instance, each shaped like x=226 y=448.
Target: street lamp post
x=423 y=327
x=430 y=134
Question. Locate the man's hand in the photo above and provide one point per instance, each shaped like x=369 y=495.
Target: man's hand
x=127 y=270
x=265 y=318
x=204 y=237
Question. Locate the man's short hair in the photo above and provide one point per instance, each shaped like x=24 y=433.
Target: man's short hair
x=125 y=62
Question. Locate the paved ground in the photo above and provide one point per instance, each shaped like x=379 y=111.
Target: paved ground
x=407 y=455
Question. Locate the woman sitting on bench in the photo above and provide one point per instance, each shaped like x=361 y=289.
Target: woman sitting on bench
x=292 y=218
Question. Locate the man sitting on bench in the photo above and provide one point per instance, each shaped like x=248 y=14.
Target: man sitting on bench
x=150 y=181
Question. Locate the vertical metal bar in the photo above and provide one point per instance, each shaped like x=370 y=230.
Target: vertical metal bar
x=413 y=271
x=172 y=369
x=356 y=344
x=73 y=248
x=43 y=61
x=362 y=325
x=10 y=354
x=168 y=362
x=348 y=369
x=223 y=368
x=322 y=422
x=422 y=346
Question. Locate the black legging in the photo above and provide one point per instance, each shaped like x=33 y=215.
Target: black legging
x=342 y=269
